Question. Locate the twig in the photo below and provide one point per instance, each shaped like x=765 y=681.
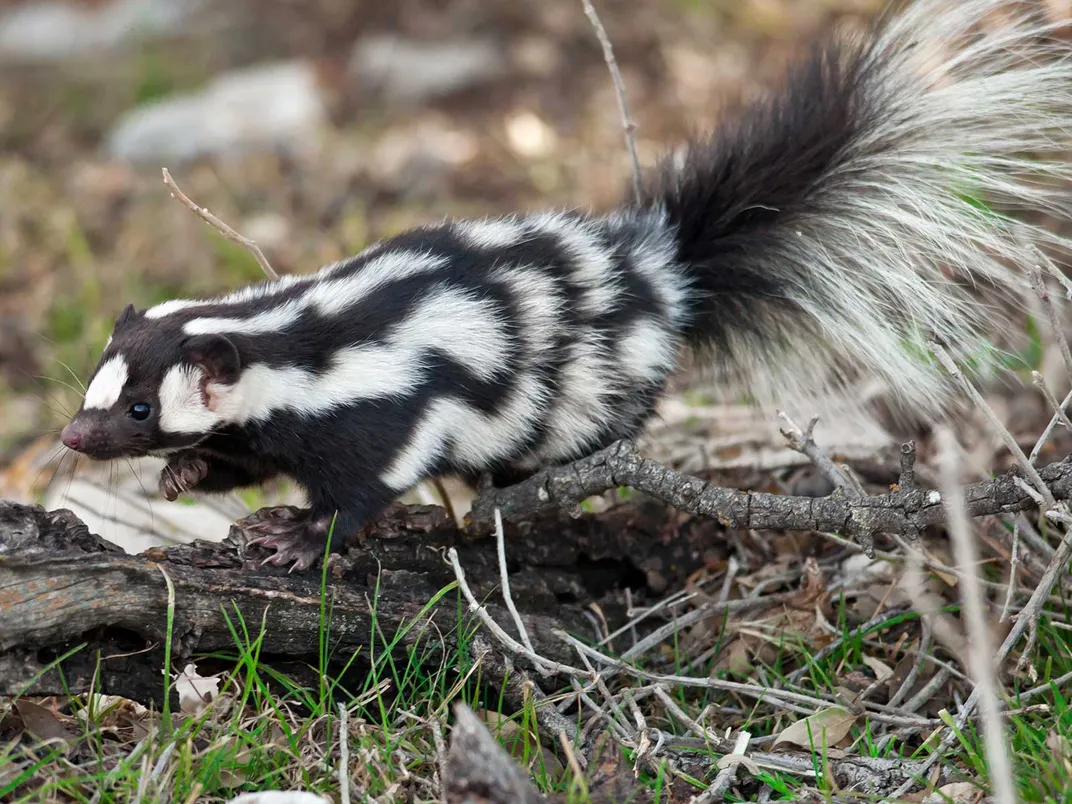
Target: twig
x=802 y=441
x=1051 y=312
x=1054 y=421
x=619 y=89
x=344 y=757
x=1051 y=400
x=1006 y=436
x=504 y=638
x=986 y=685
x=913 y=674
x=727 y=776
x=441 y=755
x=891 y=617
x=928 y=690
x=1014 y=564
x=783 y=698
x=220 y=226
x=1050 y=266
x=504 y=581
x=518 y=688
x=688 y=722
x=1029 y=614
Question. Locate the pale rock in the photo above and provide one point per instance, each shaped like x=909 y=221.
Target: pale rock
x=276 y=106
x=410 y=71
x=55 y=30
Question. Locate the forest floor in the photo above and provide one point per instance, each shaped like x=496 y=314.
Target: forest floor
x=857 y=673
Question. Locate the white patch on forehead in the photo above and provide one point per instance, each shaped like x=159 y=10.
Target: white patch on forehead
x=107 y=386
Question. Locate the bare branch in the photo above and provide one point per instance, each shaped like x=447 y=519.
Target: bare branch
x=619 y=89
x=220 y=226
x=905 y=511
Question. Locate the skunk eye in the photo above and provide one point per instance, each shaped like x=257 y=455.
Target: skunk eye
x=139 y=411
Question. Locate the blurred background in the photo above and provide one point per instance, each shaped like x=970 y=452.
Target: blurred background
x=315 y=127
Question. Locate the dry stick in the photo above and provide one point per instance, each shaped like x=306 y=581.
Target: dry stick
x=1006 y=436
x=504 y=638
x=574 y=765
x=901 y=512
x=727 y=776
x=986 y=684
x=671 y=706
x=220 y=226
x=802 y=441
x=1014 y=564
x=1051 y=400
x=913 y=674
x=441 y=756
x=771 y=695
x=1057 y=416
x=1051 y=312
x=504 y=581
x=344 y=757
x=927 y=691
x=619 y=89
x=1028 y=615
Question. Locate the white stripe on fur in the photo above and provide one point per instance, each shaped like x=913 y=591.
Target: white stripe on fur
x=107 y=385
x=491 y=232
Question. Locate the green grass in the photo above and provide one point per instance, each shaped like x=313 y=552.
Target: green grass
x=267 y=729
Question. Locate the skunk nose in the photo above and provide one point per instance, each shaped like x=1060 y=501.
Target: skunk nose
x=71 y=437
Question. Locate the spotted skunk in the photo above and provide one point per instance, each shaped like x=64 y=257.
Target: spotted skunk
x=822 y=233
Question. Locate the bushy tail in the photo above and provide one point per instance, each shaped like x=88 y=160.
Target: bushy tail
x=834 y=227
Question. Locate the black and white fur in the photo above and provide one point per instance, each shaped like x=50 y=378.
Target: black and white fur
x=815 y=235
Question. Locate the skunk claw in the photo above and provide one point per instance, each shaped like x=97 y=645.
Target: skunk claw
x=290 y=532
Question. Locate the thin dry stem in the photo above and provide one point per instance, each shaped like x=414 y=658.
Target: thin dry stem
x=1006 y=436
x=220 y=226
x=344 y=756
x=802 y=441
x=726 y=777
x=1054 y=421
x=1051 y=400
x=504 y=581
x=986 y=683
x=496 y=630
x=619 y=89
x=1055 y=321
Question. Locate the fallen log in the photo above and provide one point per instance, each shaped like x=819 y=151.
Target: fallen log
x=73 y=606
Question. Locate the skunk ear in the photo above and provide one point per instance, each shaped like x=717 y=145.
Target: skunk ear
x=216 y=355
x=126 y=316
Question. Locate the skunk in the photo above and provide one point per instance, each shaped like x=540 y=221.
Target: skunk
x=823 y=233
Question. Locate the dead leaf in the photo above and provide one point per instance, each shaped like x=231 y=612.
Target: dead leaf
x=955 y=793
x=881 y=670
x=42 y=723
x=737 y=658
x=195 y=691
x=826 y=728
